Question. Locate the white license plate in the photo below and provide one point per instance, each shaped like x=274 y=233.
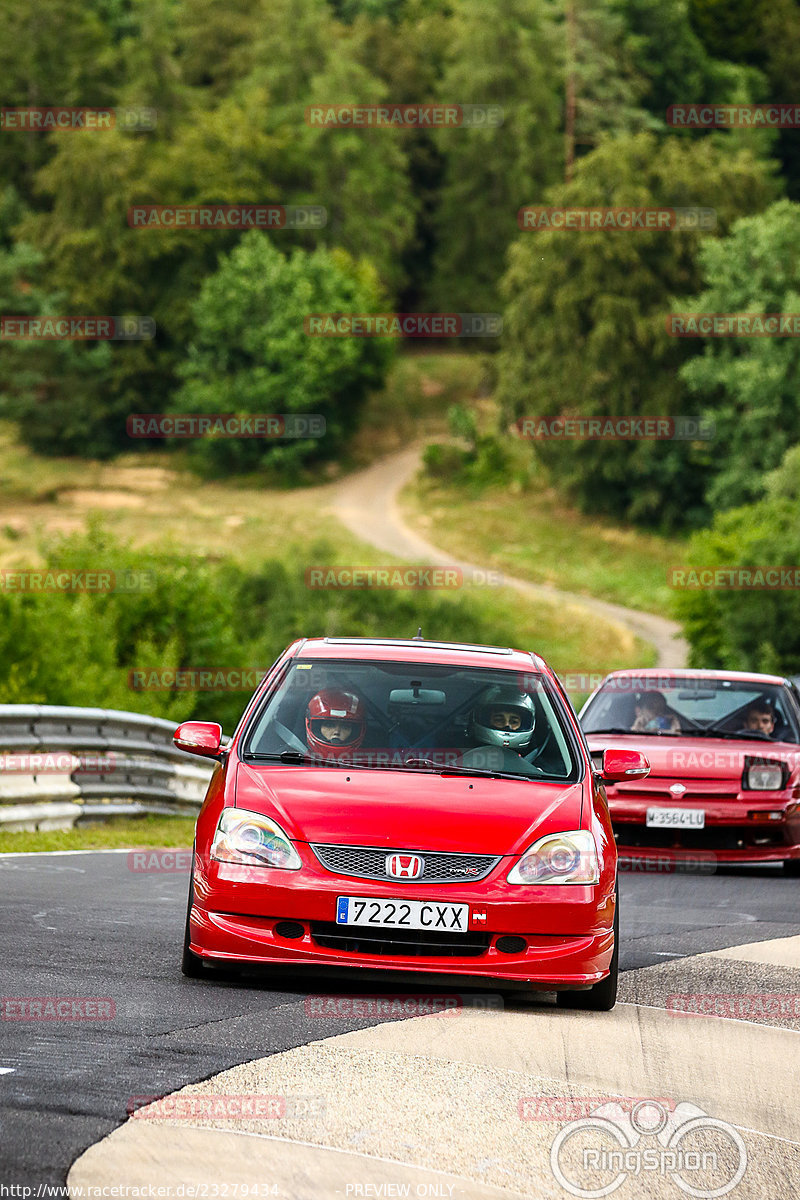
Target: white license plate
x=402 y=914
x=676 y=818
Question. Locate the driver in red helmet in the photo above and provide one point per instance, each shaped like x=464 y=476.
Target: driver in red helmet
x=335 y=724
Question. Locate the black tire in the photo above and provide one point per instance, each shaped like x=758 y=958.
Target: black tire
x=603 y=996
x=191 y=963
x=791 y=867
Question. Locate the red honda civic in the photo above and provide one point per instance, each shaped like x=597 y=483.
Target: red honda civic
x=724 y=749
x=409 y=806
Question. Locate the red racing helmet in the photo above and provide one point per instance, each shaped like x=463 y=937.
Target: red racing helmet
x=333 y=707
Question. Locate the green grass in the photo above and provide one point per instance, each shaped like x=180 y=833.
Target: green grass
x=533 y=534
x=115 y=833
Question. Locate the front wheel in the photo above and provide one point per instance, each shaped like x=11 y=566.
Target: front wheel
x=603 y=996
x=191 y=963
x=791 y=867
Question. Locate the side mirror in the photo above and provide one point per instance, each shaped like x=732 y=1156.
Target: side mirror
x=199 y=737
x=619 y=765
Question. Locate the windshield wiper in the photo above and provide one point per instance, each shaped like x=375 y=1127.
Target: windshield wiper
x=289 y=756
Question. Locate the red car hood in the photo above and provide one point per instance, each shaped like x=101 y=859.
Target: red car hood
x=681 y=757
x=408 y=810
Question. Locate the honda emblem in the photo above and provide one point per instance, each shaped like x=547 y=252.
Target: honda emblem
x=404 y=866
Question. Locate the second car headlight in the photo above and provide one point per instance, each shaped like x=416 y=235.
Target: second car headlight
x=559 y=858
x=253 y=840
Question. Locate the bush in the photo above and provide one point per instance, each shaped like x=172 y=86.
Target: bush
x=251 y=353
x=736 y=629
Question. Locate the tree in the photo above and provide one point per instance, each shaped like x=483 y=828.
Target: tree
x=750 y=385
x=511 y=59
x=251 y=354
x=733 y=628
x=584 y=323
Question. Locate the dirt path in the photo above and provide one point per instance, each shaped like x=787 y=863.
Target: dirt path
x=366 y=503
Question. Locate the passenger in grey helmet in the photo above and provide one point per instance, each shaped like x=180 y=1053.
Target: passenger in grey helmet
x=502 y=725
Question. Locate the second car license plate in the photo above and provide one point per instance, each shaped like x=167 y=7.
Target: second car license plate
x=402 y=914
x=676 y=818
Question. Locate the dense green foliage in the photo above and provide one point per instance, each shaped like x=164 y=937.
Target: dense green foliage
x=418 y=219
x=749 y=385
x=744 y=628
x=250 y=353
x=172 y=611
x=585 y=322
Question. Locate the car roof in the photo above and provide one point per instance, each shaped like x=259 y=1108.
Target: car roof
x=652 y=674
x=419 y=650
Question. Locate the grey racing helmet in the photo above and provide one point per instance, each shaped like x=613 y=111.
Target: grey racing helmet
x=500 y=698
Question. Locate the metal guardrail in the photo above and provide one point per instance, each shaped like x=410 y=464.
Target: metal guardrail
x=61 y=764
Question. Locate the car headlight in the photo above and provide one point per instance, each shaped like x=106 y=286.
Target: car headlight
x=255 y=841
x=764 y=776
x=559 y=858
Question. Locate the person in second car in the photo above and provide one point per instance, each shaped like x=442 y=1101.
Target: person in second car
x=760 y=717
x=652 y=715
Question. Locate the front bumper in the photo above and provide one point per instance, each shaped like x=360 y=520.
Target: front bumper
x=567 y=930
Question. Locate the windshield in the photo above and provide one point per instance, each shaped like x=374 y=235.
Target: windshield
x=406 y=716
x=660 y=706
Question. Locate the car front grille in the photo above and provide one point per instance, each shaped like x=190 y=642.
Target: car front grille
x=403 y=943
x=368 y=862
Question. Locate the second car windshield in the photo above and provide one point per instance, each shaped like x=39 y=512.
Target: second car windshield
x=413 y=717
x=703 y=706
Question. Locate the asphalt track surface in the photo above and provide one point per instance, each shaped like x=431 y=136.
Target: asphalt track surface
x=85 y=925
